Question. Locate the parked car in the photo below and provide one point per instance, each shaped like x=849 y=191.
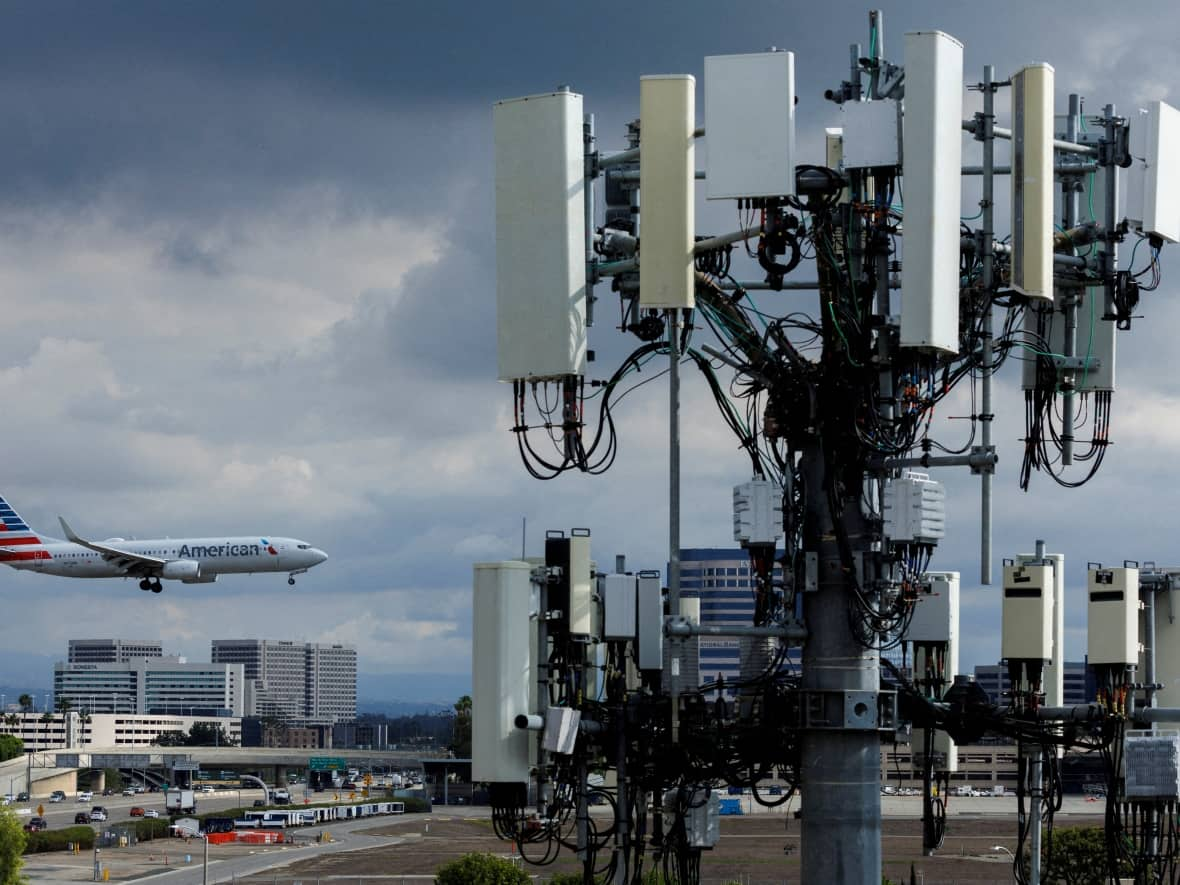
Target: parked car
x=136 y=811
x=57 y=796
x=82 y=817
x=150 y=812
x=35 y=824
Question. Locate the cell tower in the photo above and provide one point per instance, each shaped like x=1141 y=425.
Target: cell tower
x=579 y=670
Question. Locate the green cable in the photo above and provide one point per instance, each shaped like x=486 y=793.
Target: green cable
x=1032 y=349
x=978 y=214
x=840 y=332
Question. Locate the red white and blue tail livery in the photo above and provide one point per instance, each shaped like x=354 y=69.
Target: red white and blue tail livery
x=188 y=560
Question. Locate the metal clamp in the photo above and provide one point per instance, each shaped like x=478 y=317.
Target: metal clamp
x=839 y=710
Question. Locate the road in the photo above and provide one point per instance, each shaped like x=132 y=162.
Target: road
x=61 y=814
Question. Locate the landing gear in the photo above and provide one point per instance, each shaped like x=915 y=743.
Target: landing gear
x=145 y=584
x=291 y=578
x=157 y=586
x=291 y=581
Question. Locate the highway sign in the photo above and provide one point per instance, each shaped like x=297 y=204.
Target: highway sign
x=327 y=763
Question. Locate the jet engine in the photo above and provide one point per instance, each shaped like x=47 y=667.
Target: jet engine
x=187 y=570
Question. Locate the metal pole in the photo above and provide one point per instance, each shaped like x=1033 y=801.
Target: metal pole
x=1111 y=254
x=987 y=206
x=588 y=176
x=674 y=460
x=1069 y=200
x=1149 y=639
x=1034 y=776
x=839 y=767
x=674 y=504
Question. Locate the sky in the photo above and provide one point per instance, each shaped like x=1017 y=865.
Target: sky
x=248 y=268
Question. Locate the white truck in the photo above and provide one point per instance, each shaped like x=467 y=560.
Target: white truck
x=180 y=800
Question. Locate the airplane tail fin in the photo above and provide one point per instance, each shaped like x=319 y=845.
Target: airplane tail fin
x=17 y=539
x=13 y=529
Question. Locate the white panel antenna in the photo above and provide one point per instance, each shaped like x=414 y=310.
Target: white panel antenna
x=667 y=114
x=1153 y=181
x=931 y=169
x=1033 y=192
x=870 y=134
x=1027 y=613
x=1112 y=622
x=1095 y=339
x=501 y=671
x=750 y=125
x=540 y=237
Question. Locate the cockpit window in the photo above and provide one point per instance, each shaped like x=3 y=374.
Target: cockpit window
x=304 y=546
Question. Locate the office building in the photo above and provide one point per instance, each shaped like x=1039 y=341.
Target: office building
x=105 y=730
x=153 y=685
x=722 y=579
x=295 y=681
x=113 y=651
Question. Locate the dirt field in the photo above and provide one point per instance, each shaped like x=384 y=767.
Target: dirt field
x=753 y=850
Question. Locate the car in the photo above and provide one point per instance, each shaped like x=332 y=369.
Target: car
x=82 y=817
x=129 y=791
x=85 y=796
x=206 y=789
x=98 y=813
x=136 y=811
x=150 y=812
x=140 y=788
x=260 y=803
x=7 y=799
x=108 y=792
x=57 y=796
x=22 y=796
x=36 y=824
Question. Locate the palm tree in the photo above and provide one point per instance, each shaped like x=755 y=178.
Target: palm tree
x=461 y=733
x=25 y=701
x=46 y=718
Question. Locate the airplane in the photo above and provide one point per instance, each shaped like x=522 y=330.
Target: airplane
x=188 y=560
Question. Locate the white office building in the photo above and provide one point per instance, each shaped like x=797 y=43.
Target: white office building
x=295 y=681
x=158 y=685
x=40 y=731
x=113 y=651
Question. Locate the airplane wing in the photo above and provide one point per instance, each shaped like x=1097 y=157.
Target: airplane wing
x=134 y=563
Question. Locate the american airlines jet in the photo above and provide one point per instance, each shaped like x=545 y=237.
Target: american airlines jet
x=188 y=560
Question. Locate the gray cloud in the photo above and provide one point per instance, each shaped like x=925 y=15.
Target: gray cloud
x=250 y=259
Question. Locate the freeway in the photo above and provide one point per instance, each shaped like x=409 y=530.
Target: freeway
x=61 y=814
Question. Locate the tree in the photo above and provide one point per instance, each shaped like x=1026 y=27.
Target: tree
x=46 y=719
x=171 y=739
x=10 y=747
x=25 y=701
x=1079 y=857
x=207 y=734
x=12 y=846
x=480 y=869
x=461 y=728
